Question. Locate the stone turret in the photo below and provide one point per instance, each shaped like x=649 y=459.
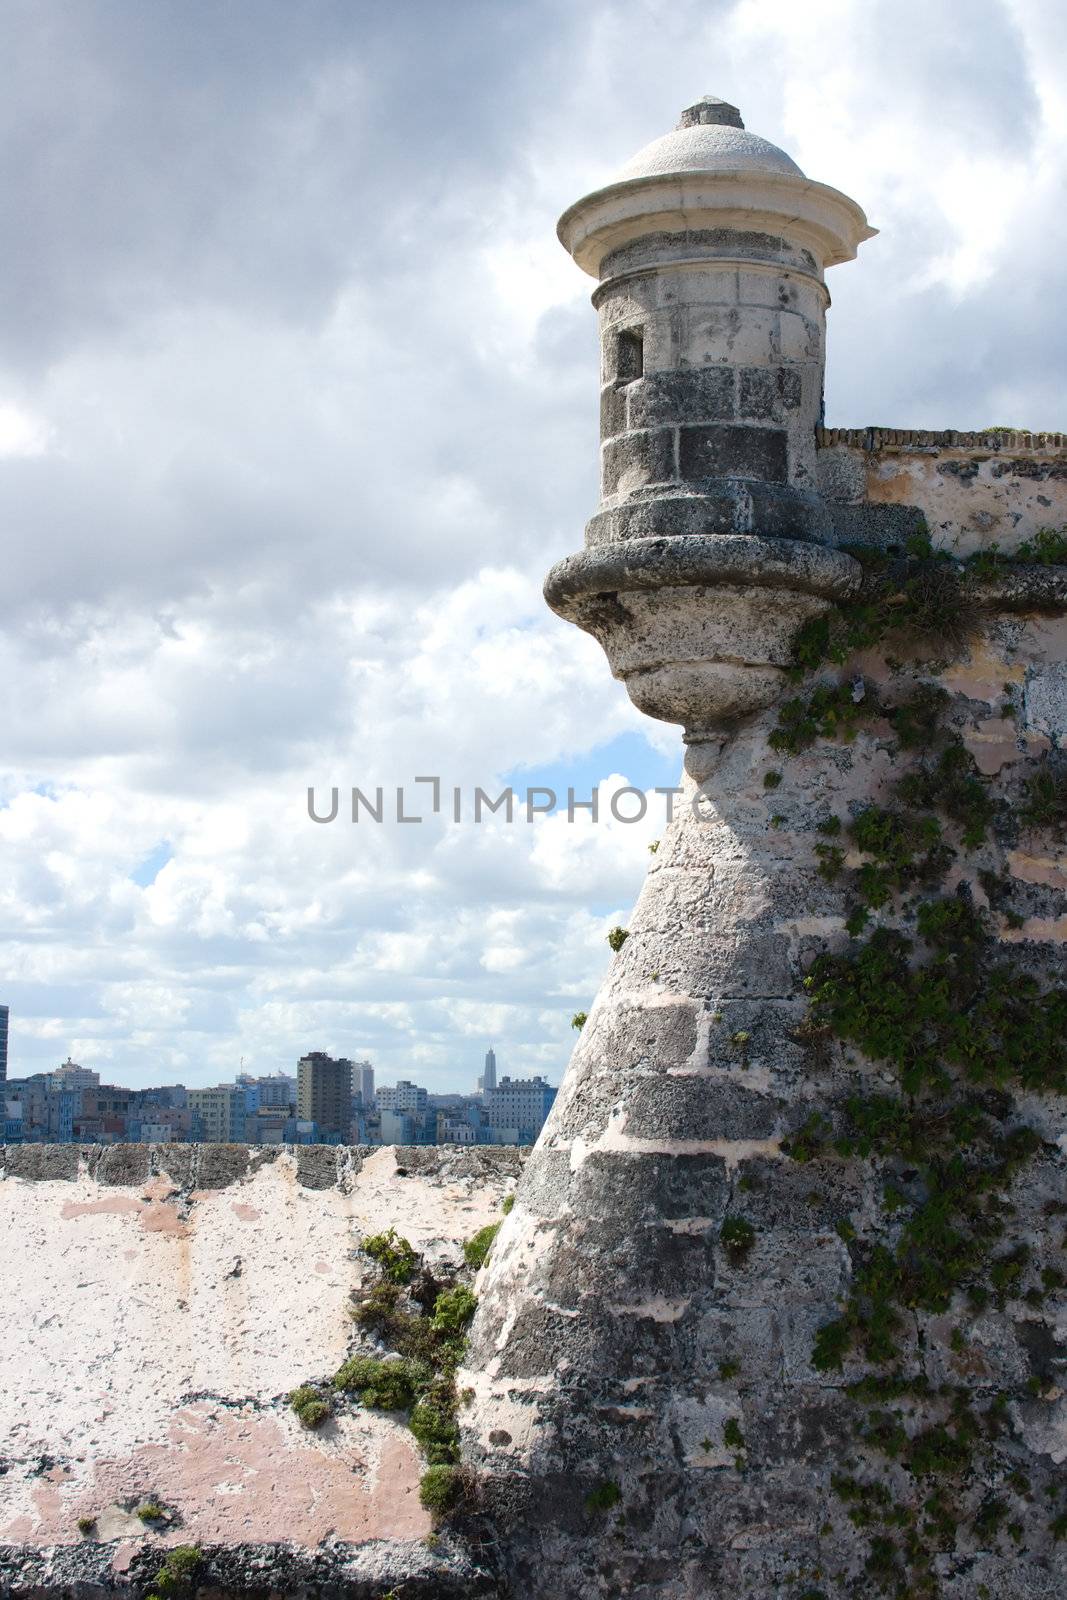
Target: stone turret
x=710 y=247
x=772 y=1313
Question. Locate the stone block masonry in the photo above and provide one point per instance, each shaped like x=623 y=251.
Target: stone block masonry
x=781 y=1307
x=623 y=1339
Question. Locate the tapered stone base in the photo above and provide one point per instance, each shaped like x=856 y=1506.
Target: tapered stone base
x=619 y=1344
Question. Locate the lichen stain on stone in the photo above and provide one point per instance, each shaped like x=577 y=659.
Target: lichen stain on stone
x=1052 y=930
x=243 y=1476
x=1048 y=870
x=984 y=675
x=118 y=1205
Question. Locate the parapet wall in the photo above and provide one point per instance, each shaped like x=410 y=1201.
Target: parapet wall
x=974 y=489
x=161 y=1302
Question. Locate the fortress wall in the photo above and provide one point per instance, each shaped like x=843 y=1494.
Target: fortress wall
x=160 y=1303
x=974 y=489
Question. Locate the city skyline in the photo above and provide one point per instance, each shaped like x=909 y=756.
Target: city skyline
x=361 y=1066
x=329 y=1100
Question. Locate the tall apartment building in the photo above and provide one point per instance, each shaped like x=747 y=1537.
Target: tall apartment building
x=4 y=1020
x=324 y=1093
x=221 y=1113
x=404 y=1097
x=363 y=1084
x=520 y=1104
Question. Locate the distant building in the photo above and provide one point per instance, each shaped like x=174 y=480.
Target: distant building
x=278 y=1091
x=397 y=1127
x=5 y=1018
x=455 y=1130
x=12 y=1110
x=519 y=1105
x=363 y=1085
x=61 y=1107
x=403 y=1096
x=103 y=1112
x=324 y=1094
x=156 y=1133
x=219 y=1113
x=71 y=1076
x=487 y=1080
x=271 y=1125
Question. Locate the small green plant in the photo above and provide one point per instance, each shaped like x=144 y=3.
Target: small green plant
x=603 y=1497
x=176 y=1576
x=653 y=847
x=738 y=1237
x=831 y=1346
x=1045 y=805
x=394 y=1255
x=830 y=712
x=151 y=1511
x=441 y=1488
x=389 y=1385
x=507 y=1203
x=86 y=1525
x=579 y=1020
x=617 y=938
x=728 y=1370
x=1048 y=548
x=771 y=780
x=476 y=1249
x=453 y=1309
x=917 y=719
x=732 y=1435
x=437 y=1433
x=309 y=1406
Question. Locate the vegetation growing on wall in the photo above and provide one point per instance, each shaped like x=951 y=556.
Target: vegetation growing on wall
x=1048 y=548
x=960 y=1023
x=176 y=1578
x=417 y=1323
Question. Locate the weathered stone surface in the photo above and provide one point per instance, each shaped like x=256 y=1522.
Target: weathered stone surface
x=618 y=1355
x=168 y=1299
x=733 y=450
x=675 y=397
x=972 y=490
x=631 y=460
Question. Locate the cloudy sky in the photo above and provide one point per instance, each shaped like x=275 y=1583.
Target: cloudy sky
x=297 y=406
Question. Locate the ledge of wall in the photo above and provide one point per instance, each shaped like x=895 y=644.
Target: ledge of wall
x=1005 y=440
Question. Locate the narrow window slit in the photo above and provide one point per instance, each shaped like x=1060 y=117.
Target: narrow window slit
x=629 y=356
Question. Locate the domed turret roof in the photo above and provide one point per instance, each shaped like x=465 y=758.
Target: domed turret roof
x=709 y=138
x=710 y=173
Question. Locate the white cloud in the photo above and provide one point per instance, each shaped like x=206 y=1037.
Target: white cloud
x=300 y=404
x=21 y=433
